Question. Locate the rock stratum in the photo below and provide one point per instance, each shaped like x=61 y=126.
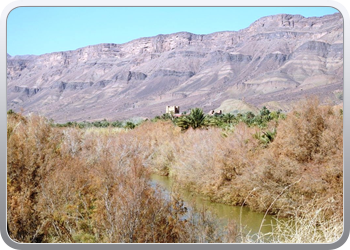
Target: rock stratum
x=275 y=62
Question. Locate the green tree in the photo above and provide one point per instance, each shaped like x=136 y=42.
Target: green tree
x=214 y=121
x=248 y=118
x=228 y=118
x=264 y=111
x=129 y=125
x=196 y=119
x=10 y=112
x=239 y=116
x=249 y=115
x=104 y=123
x=117 y=124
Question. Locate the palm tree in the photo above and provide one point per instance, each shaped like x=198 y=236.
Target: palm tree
x=249 y=118
x=213 y=121
x=183 y=122
x=228 y=118
x=196 y=119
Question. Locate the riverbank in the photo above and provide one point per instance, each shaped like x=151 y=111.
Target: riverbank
x=247 y=221
x=254 y=227
x=304 y=163
x=92 y=185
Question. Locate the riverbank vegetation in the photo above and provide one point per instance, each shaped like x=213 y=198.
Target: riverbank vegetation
x=86 y=184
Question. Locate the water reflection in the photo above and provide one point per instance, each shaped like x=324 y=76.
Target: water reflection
x=248 y=220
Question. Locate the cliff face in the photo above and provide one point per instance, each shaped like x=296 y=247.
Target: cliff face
x=275 y=61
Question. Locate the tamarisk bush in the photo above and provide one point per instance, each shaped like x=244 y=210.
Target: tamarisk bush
x=73 y=185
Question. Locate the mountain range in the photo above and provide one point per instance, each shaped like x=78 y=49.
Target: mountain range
x=274 y=62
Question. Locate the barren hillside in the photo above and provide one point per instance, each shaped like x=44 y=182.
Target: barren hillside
x=275 y=61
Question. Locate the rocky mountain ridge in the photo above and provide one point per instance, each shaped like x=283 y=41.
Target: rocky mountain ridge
x=274 y=62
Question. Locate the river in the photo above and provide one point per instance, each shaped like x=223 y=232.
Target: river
x=246 y=219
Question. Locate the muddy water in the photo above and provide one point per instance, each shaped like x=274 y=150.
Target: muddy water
x=247 y=220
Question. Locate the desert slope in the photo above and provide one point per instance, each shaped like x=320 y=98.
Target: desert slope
x=276 y=61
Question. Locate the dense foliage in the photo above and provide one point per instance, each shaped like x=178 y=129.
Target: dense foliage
x=74 y=185
x=195 y=119
x=67 y=184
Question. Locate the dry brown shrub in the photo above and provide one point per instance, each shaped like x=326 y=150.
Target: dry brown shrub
x=306 y=156
x=92 y=185
x=198 y=159
x=31 y=149
x=157 y=140
x=216 y=165
x=310 y=223
x=72 y=185
x=308 y=147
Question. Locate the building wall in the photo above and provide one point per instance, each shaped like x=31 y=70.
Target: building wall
x=172 y=109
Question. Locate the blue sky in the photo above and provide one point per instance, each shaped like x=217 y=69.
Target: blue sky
x=40 y=30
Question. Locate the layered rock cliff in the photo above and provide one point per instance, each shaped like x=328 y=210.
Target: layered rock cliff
x=274 y=62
